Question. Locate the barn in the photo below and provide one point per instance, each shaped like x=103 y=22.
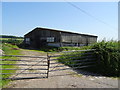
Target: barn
x=40 y=37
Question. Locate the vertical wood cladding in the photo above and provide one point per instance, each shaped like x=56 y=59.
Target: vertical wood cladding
x=43 y=36
x=77 y=38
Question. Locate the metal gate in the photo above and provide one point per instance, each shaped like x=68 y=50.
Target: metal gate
x=17 y=67
x=32 y=67
x=72 y=60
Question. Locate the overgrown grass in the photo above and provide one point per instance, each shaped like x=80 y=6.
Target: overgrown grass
x=106 y=53
x=8 y=50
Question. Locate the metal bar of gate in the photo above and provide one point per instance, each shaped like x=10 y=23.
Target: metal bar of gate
x=76 y=61
x=23 y=69
x=21 y=60
x=23 y=73
x=20 y=78
x=73 y=68
x=25 y=56
x=26 y=64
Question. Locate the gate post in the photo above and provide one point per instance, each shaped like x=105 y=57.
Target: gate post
x=48 y=62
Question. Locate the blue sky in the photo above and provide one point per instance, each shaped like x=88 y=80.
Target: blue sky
x=18 y=18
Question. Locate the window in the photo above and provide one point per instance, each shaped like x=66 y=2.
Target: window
x=50 y=39
x=27 y=40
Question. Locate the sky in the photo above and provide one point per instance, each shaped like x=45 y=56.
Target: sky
x=95 y=18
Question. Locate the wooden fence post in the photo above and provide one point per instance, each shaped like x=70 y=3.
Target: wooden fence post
x=48 y=62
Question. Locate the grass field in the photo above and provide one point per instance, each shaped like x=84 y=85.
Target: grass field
x=10 y=38
x=15 y=41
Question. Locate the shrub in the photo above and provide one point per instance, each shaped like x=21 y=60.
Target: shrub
x=109 y=57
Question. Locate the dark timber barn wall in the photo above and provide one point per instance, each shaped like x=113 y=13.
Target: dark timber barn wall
x=42 y=36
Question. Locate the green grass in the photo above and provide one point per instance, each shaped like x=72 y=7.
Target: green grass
x=37 y=51
x=11 y=38
x=59 y=49
x=8 y=50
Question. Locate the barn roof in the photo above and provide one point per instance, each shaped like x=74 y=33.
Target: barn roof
x=39 y=28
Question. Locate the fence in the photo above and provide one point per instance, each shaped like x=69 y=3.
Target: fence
x=79 y=59
x=26 y=67
x=31 y=67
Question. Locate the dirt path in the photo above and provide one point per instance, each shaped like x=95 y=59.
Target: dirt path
x=63 y=78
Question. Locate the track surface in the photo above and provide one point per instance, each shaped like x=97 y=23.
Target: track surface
x=62 y=79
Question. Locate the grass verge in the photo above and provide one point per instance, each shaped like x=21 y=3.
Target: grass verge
x=8 y=50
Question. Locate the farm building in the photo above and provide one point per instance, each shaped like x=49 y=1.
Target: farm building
x=43 y=36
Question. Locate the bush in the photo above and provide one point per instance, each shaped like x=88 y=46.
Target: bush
x=109 y=57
